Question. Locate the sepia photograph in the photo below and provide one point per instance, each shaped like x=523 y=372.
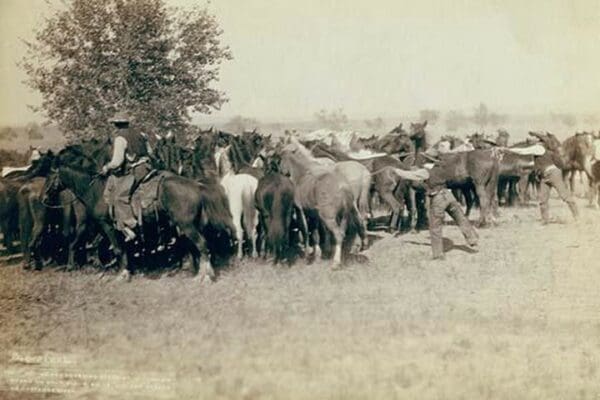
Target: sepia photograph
x=318 y=199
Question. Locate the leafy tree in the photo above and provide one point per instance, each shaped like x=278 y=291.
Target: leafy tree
x=334 y=120
x=239 y=124
x=94 y=58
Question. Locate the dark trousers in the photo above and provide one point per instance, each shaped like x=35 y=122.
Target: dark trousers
x=553 y=178
x=440 y=203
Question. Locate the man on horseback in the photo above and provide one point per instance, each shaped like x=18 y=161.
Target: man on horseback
x=129 y=165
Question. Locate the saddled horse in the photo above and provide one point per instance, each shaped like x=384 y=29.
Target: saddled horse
x=199 y=211
x=240 y=190
x=325 y=196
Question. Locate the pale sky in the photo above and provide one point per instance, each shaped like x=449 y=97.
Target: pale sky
x=377 y=57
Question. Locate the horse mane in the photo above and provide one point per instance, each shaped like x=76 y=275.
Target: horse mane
x=238 y=154
x=331 y=153
x=225 y=157
x=82 y=179
x=302 y=149
x=77 y=162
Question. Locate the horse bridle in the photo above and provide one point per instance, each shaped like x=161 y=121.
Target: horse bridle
x=73 y=200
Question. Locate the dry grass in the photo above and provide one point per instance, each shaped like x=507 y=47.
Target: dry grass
x=520 y=319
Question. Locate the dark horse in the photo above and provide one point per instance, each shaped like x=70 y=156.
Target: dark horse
x=275 y=203
x=478 y=168
x=579 y=153
x=196 y=210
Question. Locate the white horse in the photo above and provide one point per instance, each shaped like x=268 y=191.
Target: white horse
x=240 y=189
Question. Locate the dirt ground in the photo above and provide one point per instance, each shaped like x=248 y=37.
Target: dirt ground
x=518 y=320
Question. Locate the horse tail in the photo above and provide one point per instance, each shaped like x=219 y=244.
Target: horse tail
x=354 y=223
x=215 y=219
x=363 y=198
x=279 y=222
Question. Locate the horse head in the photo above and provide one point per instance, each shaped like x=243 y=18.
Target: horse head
x=398 y=129
x=502 y=138
x=43 y=165
x=52 y=186
x=419 y=135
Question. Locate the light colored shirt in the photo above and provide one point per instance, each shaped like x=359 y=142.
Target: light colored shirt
x=118 y=156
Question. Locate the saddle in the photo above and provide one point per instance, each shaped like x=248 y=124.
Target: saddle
x=144 y=199
x=128 y=204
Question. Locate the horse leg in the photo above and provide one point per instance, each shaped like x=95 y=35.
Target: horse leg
x=106 y=227
x=239 y=233
x=25 y=224
x=412 y=194
x=338 y=234
x=200 y=254
x=313 y=233
x=521 y=187
x=364 y=210
x=35 y=240
x=395 y=205
x=362 y=231
x=5 y=229
x=481 y=191
x=469 y=200
x=261 y=240
x=250 y=221
x=74 y=243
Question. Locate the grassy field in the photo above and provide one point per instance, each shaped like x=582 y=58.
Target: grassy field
x=518 y=320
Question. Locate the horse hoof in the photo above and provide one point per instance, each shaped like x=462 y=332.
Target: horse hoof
x=336 y=266
x=70 y=267
x=124 y=276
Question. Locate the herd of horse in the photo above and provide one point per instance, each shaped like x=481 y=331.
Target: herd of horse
x=221 y=195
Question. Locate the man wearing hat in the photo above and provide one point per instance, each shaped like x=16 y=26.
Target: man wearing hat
x=548 y=165
x=441 y=201
x=129 y=162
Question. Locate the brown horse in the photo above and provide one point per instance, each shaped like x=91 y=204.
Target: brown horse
x=325 y=196
x=579 y=152
x=198 y=211
x=275 y=203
